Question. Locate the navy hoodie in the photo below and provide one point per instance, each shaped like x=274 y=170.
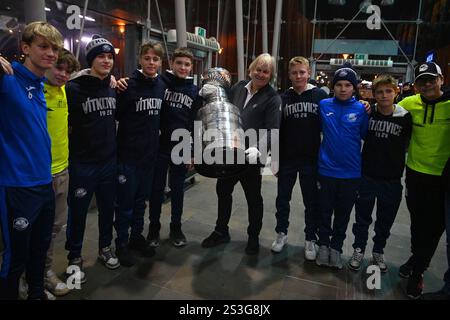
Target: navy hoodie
x=92 y=125
x=300 y=125
x=139 y=113
x=383 y=155
x=181 y=102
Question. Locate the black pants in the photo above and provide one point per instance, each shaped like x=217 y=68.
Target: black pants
x=251 y=183
x=425 y=200
x=336 y=198
x=27 y=222
x=85 y=180
x=388 y=195
x=287 y=176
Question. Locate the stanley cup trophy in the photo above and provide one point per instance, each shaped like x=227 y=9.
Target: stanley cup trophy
x=221 y=132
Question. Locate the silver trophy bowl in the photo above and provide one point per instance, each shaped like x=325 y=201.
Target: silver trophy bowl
x=221 y=130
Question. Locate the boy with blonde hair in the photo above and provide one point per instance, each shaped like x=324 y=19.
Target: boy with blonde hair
x=27 y=203
x=299 y=150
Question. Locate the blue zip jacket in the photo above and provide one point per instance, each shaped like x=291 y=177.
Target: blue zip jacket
x=344 y=124
x=25 y=148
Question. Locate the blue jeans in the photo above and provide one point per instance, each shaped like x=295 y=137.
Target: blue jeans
x=27 y=216
x=133 y=188
x=177 y=175
x=388 y=194
x=85 y=179
x=335 y=196
x=287 y=176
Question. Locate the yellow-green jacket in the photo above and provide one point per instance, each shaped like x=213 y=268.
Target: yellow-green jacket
x=57 y=124
x=429 y=148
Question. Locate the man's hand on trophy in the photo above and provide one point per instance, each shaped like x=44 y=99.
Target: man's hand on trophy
x=207 y=90
x=252 y=155
x=122 y=84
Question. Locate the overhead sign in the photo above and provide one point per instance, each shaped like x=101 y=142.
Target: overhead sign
x=200 y=32
x=361 y=56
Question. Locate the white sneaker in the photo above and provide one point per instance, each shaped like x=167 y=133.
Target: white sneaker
x=311 y=249
x=356 y=260
x=109 y=259
x=49 y=295
x=279 y=242
x=55 y=285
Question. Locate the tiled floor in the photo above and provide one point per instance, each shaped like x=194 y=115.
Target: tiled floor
x=227 y=273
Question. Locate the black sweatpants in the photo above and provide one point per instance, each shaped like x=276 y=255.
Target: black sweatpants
x=26 y=215
x=251 y=183
x=425 y=200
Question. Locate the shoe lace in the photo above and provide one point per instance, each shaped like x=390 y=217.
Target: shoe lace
x=310 y=246
x=357 y=255
x=107 y=253
x=379 y=259
x=280 y=238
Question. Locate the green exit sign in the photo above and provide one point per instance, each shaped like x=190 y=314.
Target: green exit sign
x=200 y=32
x=361 y=56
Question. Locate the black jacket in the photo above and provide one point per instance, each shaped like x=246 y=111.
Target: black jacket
x=139 y=113
x=92 y=107
x=263 y=111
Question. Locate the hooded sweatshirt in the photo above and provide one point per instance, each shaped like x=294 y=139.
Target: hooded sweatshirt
x=429 y=148
x=138 y=113
x=181 y=102
x=384 y=150
x=92 y=125
x=300 y=125
x=25 y=156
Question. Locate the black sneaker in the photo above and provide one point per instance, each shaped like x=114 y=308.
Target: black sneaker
x=215 y=239
x=438 y=295
x=75 y=267
x=415 y=286
x=125 y=256
x=252 y=246
x=176 y=235
x=405 y=269
x=153 y=235
x=142 y=246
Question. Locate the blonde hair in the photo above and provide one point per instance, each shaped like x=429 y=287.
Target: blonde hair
x=298 y=60
x=384 y=79
x=263 y=59
x=156 y=47
x=42 y=29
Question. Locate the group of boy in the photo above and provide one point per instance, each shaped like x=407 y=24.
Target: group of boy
x=60 y=145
